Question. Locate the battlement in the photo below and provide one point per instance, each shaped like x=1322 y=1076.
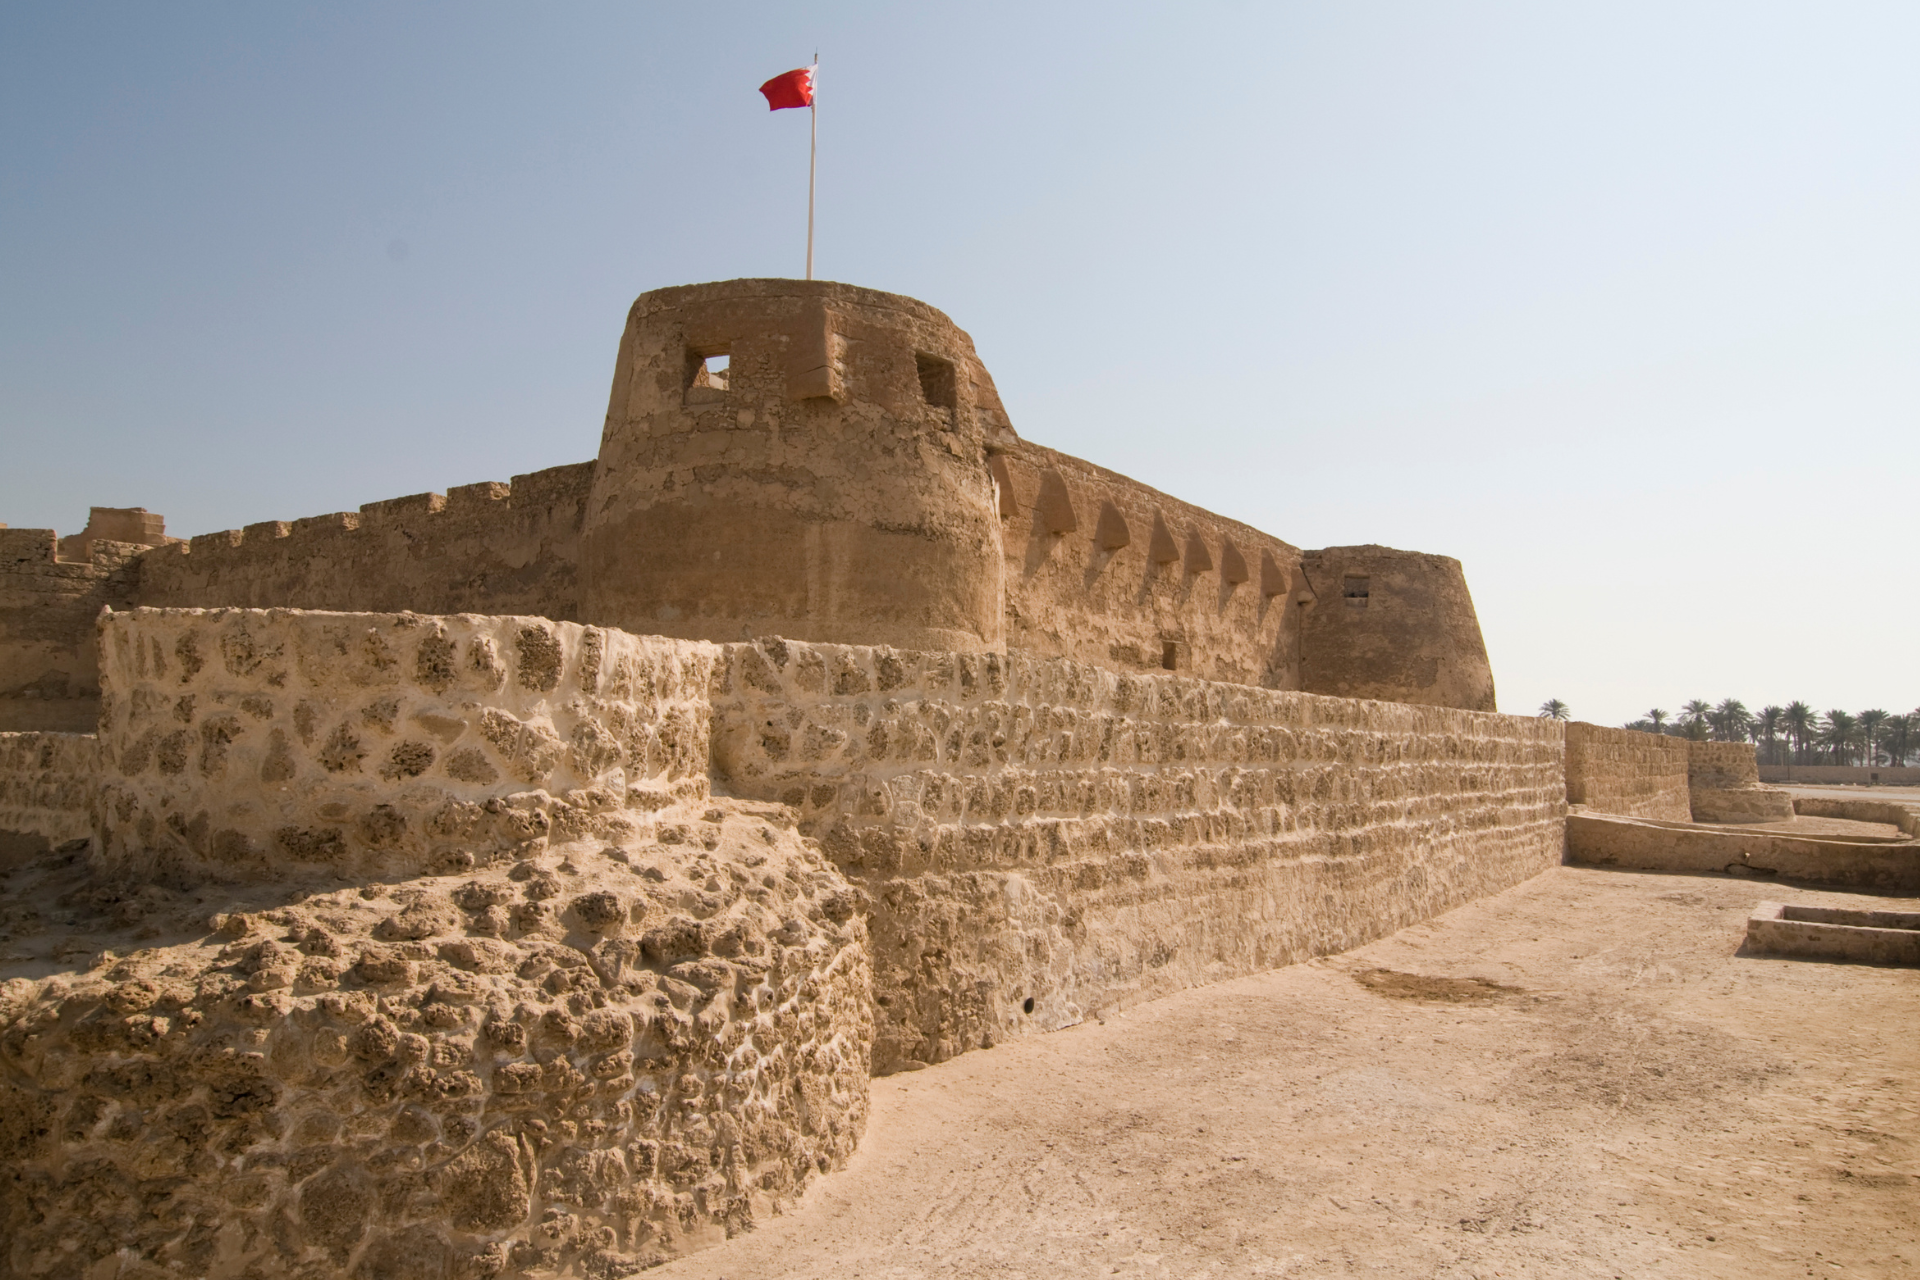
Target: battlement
x=537 y=492
x=135 y=526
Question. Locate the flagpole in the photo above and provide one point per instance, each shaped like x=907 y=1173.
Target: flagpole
x=813 y=151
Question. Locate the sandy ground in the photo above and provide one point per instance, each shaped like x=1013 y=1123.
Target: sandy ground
x=1579 y=1077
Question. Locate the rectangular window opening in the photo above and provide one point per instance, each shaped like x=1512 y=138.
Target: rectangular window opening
x=1354 y=591
x=1170 y=655
x=936 y=380
x=708 y=368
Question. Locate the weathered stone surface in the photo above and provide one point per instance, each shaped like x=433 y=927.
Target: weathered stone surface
x=49 y=679
x=1097 y=593
x=500 y=982
x=1397 y=625
x=851 y=506
x=1642 y=775
x=1044 y=838
x=1640 y=844
x=250 y=744
x=1723 y=785
x=490 y=1074
x=49 y=784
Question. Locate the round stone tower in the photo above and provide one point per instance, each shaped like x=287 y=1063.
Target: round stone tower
x=796 y=458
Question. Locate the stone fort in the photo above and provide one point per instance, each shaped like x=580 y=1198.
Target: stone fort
x=851 y=478
x=529 y=879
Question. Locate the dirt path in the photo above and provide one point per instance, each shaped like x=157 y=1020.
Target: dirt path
x=1597 y=1086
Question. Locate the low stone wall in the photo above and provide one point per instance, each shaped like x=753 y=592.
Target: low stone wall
x=577 y=1064
x=1846 y=775
x=1605 y=840
x=1905 y=816
x=1643 y=775
x=48 y=782
x=1829 y=933
x=1042 y=838
x=254 y=744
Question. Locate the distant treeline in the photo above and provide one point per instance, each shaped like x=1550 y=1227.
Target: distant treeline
x=1796 y=733
x=1793 y=734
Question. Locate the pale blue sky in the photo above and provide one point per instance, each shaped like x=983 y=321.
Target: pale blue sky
x=1618 y=303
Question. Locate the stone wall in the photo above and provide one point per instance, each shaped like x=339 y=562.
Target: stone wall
x=494 y=985
x=48 y=785
x=1904 y=813
x=1623 y=771
x=485 y=548
x=572 y=1064
x=1723 y=785
x=1103 y=569
x=1044 y=838
x=248 y=744
x=830 y=485
x=1721 y=765
x=1396 y=625
x=49 y=677
x=1636 y=844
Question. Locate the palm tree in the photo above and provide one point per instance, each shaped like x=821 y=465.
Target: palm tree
x=1554 y=709
x=1730 y=720
x=1797 y=719
x=1871 y=723
x=1766 y=732
x=1838 y=732
x=1898 y=737
x=1693 y=719
x=1658 y=719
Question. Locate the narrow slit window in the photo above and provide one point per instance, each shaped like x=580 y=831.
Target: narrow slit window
x=1170 y=656
x=1354 y=591
x=936 y=380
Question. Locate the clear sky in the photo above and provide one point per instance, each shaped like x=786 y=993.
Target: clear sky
x=1618 y=302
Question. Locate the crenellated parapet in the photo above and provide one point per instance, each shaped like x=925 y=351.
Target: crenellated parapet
x=49 y=675
x=490 y=547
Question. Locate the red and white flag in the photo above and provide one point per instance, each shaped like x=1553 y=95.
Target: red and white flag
x=790 y=89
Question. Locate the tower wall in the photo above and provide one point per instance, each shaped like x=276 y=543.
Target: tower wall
x=831 y=486
x=1398 y=626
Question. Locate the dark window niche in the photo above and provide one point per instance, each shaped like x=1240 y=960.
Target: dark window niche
x=1354 y=591
x=936 y=380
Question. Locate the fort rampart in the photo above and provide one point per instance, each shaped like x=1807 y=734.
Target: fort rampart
x=536 y=945
x=1043 y=838
x=1667 y=778
x=851 y=476
x=1641 y=775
